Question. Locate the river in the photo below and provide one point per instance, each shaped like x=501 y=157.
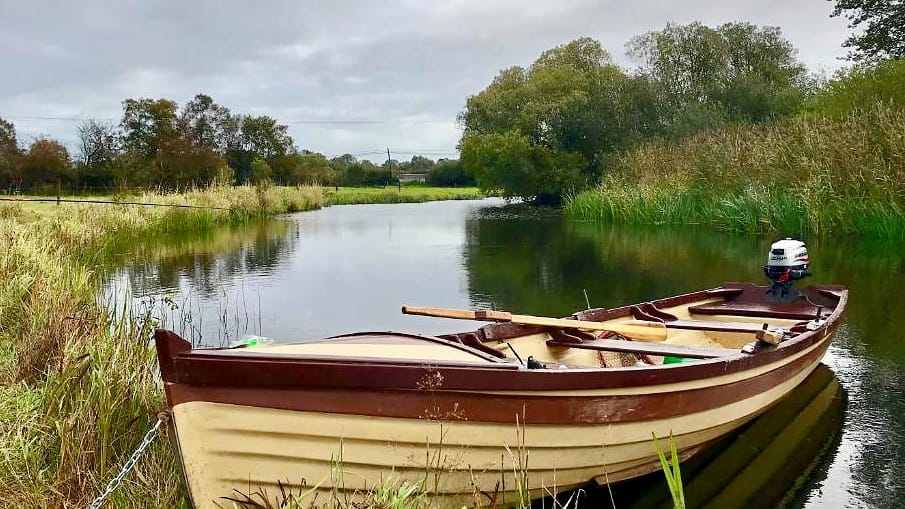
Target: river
x=350 y=268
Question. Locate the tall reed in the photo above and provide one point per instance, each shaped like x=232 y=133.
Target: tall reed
x=78 y=386
x=414 y=194
x=804 y=176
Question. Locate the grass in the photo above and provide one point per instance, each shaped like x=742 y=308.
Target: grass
x=329 y=196
x=672 y=472
x=806 y=175
x=79 y=384
x=405 y=194
x=78 y=388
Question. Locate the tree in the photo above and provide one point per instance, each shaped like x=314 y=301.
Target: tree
x=735 y=71
x=883 y=22
x=260 y=170
x=449 y=173
x=304 y=168
x=418 y=164
x=99 y=147
x=555 y=122
x=148 y=124
x=10 y=155
x=257 y=137
x=45 y=163
x=208 y=124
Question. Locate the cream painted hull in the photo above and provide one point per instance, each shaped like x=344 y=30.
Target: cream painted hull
x=230 y=449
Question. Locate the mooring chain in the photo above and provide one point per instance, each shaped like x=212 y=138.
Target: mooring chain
x=114 y=483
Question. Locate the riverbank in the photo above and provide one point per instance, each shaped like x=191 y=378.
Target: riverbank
x=805 y=176
x=78 y=388
x=404 y=194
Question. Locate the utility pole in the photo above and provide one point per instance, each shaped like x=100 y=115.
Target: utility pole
x=390 y=168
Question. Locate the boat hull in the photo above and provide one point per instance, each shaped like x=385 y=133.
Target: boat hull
x=254 y=426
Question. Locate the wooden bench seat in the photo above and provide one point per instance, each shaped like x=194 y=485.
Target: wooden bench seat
x=649 y=348
x=650 y=312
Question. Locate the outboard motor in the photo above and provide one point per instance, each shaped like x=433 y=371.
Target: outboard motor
x=787 y=262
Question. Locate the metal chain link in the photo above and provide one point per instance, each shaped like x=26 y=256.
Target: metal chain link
x=114 y=483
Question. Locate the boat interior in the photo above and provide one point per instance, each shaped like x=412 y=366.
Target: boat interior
x=718 y=323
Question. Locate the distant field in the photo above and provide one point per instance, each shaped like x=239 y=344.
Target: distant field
x=331 y=196
x=390 y=194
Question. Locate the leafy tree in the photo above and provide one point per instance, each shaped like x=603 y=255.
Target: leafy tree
x=511 y=164
x=260 y=170
x=304 y=168
x=354 y=175
x=148 y=124
x=418 y=164
x=208 y=124
x=449 y=173
x=555 y=121
x=735 y=71
x=264 y=137
x=257 y=137
x=883 y=22
x=861 y=87
x=10 y=174
x=45 y=163
x=379 y=176
x=99 y=147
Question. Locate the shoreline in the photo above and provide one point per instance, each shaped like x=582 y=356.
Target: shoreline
x=78 y=386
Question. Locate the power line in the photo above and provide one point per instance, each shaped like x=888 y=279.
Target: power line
x=292 y=122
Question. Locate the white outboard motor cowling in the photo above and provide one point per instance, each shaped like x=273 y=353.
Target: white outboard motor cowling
x=787 y=262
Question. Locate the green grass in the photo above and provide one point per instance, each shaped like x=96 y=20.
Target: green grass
x=78 y=388
x=391 y=194
x=79 y=384
x=274 y=197
x=801 y=176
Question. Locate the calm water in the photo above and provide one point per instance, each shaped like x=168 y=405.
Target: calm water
x=350 y=268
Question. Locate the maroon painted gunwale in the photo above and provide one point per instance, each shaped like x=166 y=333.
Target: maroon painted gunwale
x=565 y=408
x=181 y=365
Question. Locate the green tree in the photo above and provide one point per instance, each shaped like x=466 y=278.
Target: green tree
x=353 y=175
x=709 y=75
x=418 y=164
x=148 y=124
x=882 y=24
x=449 y=173
x=257 y=137
x=260 y=170
x=303 y=168
x=557 y=120
x=99 y=148
x=10 y=156
x=46 y=163
x=208 y=124
x=861 y=87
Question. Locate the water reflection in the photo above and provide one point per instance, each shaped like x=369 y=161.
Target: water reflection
x=760 y=466
x=349 y=268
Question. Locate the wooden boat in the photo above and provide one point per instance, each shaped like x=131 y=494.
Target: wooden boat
x=465 y=419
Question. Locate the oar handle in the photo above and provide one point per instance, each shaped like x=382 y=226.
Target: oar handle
x=647 y=331
x=462 y=314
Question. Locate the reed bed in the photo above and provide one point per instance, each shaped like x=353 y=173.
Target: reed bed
x=78 y=388
x=801 y=176
x=405 y=194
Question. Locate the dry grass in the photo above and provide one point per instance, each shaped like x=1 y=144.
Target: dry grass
x=77 y=387
x=804 y=176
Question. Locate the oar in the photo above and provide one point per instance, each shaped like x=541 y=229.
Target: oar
x=648 y=331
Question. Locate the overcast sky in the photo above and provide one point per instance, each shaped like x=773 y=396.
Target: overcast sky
x=347 y=77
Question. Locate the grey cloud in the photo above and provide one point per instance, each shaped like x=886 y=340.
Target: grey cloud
x=400 y=63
